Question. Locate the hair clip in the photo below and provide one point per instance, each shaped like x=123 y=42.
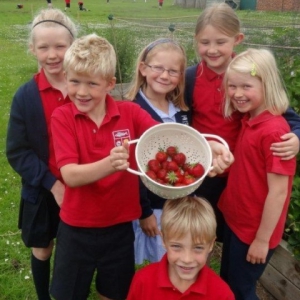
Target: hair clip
x=253 y=70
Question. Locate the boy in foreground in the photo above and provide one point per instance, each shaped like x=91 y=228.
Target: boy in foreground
x=188 y=228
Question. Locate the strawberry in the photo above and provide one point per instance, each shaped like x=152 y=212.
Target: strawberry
x=164 y=165
x=197 y=170
x=171 y=151
x=179 y=158
x=188 y=180
x=154 y=165
x=172 y=178
x=161 y=155
x=151 y=174
x=172 y=166
x=161 y=174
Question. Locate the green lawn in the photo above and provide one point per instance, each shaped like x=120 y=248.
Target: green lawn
x=134 y=25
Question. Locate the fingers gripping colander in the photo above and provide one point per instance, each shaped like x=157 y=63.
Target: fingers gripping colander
x=187 y=140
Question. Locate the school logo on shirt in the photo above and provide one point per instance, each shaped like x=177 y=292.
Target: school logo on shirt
x=121 y=136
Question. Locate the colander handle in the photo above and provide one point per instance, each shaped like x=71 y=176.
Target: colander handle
x=131 y=170
x=206 y=135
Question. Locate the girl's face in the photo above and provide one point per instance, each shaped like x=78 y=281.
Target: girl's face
x=49 y=46
x=186 y=259
x=216 y=48
x=161 y=83
x=246 y=93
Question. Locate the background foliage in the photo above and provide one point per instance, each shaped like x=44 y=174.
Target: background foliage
x=133 y=26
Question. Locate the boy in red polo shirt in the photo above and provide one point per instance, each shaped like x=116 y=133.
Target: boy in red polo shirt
x=188 y=228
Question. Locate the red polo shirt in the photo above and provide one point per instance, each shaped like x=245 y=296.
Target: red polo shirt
x=242 y=202
x=51 y=99
x=152 y=282
x=77 y=139
x=208 y=106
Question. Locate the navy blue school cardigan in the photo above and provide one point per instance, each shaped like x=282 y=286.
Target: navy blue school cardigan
x=27 y=146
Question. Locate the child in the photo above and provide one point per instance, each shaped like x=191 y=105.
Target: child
x=68 y=5
x=189 y=230
x=49 y=3
x=217 y=32
x=256 y=198
x=157 y=87
x=29 y=141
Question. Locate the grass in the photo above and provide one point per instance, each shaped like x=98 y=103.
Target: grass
x=140 y=23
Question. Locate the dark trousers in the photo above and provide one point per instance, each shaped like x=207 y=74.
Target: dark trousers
x=211 y=189
x=240 y=274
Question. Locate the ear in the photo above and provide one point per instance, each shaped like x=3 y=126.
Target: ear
x=142 y=68
x=211 y=246
x=31 y=49
x=111 y=84
x=239 y=38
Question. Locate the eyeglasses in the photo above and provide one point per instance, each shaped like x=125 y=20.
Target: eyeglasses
x=160 y=70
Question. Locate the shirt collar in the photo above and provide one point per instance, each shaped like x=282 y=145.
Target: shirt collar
x=261 y=118
x=163 y=281
x=42 y=80
x=172 y=108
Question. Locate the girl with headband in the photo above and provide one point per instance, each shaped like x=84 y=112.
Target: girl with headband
x=29 y=146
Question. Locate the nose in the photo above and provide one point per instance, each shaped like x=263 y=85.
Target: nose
x=82 y=90
x=238 y=93
x=187 y=257
x=52 y=53
x=165 y=74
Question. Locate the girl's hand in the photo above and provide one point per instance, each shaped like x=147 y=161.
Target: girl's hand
x=258 y=252
x=119 y=157
x=222 y=158
x=288 y=148
x=58 y=191
x=149 y=226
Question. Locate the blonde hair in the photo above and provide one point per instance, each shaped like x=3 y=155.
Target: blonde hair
x=186 y=215
x=222 y=17
x=261 y=64
x=52 y=18
x=91 y=54
x=139 y=81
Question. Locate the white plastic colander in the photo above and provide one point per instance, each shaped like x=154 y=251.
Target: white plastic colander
x=187 y=140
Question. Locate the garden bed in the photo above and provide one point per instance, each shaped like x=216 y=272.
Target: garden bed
x=282 y=275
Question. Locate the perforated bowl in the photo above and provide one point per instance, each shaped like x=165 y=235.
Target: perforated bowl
x=187 y=140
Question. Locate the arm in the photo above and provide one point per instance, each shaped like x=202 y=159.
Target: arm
x=278 y=190
x=222 y=158
x=27 y=140
x=289 y=147
x=76 y=175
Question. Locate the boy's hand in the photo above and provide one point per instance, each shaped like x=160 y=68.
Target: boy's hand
x=119 y=157
x=288 y=148
x=258 y=252
x=222 y=158
x=149 y=226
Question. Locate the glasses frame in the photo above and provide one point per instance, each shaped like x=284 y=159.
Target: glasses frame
x=161 y=70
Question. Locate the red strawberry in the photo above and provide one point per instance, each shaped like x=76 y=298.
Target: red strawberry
x=164 y=165
x=151 y=174
x=154 y=165
x=172 y=166
x=172 y=178
x=161 y=174
x=189 y=180
x=171 y=151
x=198 y=170
x=161 y=156
x=179 y=158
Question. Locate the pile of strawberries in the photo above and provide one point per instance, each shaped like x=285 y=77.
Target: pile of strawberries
x=169 y=167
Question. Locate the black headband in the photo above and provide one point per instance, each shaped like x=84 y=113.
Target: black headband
x=53 y=21
x=155 y=43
